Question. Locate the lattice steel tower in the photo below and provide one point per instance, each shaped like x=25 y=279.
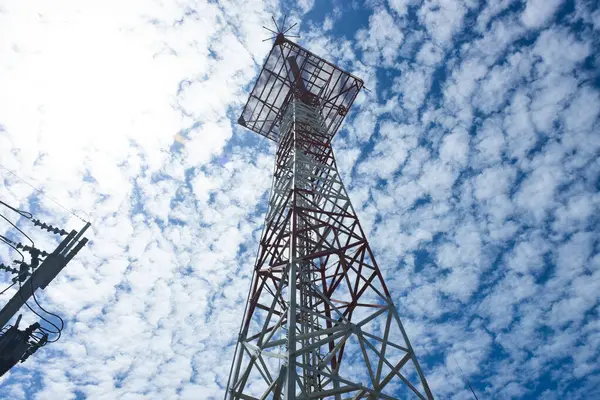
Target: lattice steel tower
x=319 y=322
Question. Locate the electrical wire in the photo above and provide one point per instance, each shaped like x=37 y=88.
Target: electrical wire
x=5 y=290
x=25 y=214
x=5 y=239
x=464 y=378
x=8 y=242
x=21 y=213
x=58 y=330
x=17 y=228
x=62 y=322
x=42 y=193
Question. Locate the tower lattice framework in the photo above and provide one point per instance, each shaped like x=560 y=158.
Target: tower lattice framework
x=319 y=322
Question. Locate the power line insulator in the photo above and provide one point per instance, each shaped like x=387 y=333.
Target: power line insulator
x=49 y=227
x=8 y=269
x=34 y=251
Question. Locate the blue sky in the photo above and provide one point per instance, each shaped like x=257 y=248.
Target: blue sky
x=472 y=163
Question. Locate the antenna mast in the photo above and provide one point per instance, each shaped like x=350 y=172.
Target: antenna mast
x=320 y=322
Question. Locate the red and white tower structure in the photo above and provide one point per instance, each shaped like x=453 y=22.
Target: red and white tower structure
x=319 y=322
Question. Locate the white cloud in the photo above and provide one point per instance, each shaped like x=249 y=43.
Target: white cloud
x=560 y=51
x=539 y=12
x=455 y=148
x=493 y=182
x=518 y=125
x=437 y=180
x=386 y=158
x=381 y=41
x=490 y=143
x=536 y=193
x=413 y=85
x=442 y=18
x=430 y=54
x=528 y=254
x=400 y=7
x=582 y=113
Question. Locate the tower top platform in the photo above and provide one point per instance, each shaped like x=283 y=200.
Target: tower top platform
x=291 y=70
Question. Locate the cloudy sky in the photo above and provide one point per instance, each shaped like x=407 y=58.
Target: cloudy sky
x=473 y=163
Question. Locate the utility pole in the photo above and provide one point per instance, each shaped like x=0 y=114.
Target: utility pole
x=17 y=345
x=319 y=322
x=45 y=273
